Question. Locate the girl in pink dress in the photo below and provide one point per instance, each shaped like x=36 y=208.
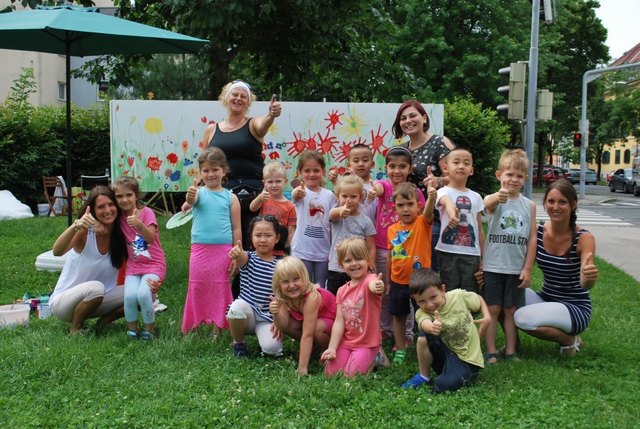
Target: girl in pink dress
x=355 y=337
x=216 y=226
x=302 y=310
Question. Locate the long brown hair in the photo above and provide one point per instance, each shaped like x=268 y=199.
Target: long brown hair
x=569 y=192
x=117 y=247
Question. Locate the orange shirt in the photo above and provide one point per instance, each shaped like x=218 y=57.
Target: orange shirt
x=410 y=247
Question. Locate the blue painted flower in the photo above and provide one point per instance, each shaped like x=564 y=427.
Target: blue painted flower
x=175 y=176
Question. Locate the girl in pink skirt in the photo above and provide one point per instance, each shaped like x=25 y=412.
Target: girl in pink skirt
x=216 y=226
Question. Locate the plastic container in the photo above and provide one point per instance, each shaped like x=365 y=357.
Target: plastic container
x=43 y=209
x=13 y=315
x=44 y=310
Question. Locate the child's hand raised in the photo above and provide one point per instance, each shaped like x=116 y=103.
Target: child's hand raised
x=236 y=251
x=192 y=191
x=454 y=218
x=372 y=194
x=299 y=193
x=345 y=212
x=431 y=192
x=134 y=220
x=503 y=195
x=436 y=325
x=264 y=195
x=274 y=305
x=377 y=286
x=333 y=175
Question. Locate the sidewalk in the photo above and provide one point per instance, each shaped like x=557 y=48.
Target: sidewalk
x=615 y=244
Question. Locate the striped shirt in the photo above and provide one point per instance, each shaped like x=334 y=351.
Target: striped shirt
x=255 y=284
x=561 y=282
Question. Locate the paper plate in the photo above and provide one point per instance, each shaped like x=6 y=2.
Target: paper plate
x=179 y=219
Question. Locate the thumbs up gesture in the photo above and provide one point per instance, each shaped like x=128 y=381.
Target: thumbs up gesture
x=275 y=109
x=377 y=286
x=589 y=271
x=503 y=195
x=264 y=196
x=454 y=218
x=274 y=305
x=134 y=220
x=344 y=212
x=192 y=192
x=236 y=251
x=436 y=325
x=431 y=192
x=299 y=193
x=372 y=194
x=333 y=175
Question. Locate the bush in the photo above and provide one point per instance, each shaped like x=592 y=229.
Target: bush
x=32 y=142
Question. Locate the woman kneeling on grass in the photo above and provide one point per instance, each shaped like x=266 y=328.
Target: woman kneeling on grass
x=565 y=254
x=87 y=285
x=302 y=310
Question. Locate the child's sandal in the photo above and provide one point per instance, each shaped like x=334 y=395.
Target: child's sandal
x=491 y=358
x=573 y=349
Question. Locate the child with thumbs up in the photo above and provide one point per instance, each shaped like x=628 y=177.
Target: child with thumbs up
x=565 y=255
x=312 y=239
x=215 y=227
x=250 y=313
x=509 y=250
x=348 y=220
x=355 y=336
x=448 y=341
x=146 y=266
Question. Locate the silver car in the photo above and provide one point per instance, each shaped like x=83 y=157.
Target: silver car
x=590 y=176
x=622 y=180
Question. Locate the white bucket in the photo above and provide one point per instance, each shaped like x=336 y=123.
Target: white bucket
x=14 y=315
x=43 y=209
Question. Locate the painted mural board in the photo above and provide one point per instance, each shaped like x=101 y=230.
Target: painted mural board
x=158 y=142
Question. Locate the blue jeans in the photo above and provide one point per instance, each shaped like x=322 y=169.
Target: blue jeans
x=453 y=373
x=435 y=236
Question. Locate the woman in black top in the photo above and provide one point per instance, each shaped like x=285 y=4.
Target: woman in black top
x=427 y=152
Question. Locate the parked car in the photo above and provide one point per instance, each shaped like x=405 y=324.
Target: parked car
x=590 y=176
x=623 y=180
x=549 y=175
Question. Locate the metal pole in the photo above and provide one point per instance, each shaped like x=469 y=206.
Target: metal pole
x=590 y=76
x=532 y=93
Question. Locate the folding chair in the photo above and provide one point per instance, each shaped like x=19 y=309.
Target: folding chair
x=54 y=190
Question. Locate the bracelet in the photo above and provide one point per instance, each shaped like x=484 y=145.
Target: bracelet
x=76 y=228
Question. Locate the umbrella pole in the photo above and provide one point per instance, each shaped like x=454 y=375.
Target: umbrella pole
x=68 y=132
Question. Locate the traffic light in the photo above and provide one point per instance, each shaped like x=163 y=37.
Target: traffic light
x=517 y=76
x=577 y=139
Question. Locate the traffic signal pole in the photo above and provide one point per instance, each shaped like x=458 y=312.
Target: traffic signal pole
x=532 y=90
x=590 y=76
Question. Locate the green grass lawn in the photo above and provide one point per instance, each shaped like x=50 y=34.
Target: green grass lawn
x=51 y=379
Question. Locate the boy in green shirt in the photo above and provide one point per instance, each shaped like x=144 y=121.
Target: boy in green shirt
x=448 y=341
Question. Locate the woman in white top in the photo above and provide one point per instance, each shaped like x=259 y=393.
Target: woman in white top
x=87 y=285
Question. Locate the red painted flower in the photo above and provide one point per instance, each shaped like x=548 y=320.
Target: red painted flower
x=172 y=158
x=274 y=155
x=154 y=163
x=185 y=146
x=130 y=161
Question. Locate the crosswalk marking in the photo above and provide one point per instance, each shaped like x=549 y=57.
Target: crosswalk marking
x=587 y=217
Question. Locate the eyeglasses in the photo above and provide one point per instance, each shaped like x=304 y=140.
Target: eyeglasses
x=268 y=218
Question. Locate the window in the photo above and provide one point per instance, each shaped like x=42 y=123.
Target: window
x=606 y=157
x=62 y=91
x=627 y=156
x=617 y=156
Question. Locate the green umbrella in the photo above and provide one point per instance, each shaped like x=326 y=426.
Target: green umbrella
x=76 y=31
